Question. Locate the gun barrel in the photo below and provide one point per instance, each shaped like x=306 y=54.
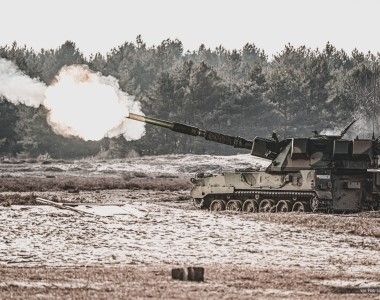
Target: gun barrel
x=152 y=121
x=235 y=141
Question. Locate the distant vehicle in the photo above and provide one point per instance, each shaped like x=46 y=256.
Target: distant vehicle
x=322 y=173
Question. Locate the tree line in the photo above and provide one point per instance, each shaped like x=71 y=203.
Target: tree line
x=237 y=92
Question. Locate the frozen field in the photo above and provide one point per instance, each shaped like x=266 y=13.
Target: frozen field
x=158 y=228
x=152 y=165
x=161 y=229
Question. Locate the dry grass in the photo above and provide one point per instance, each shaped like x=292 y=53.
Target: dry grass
x=19 y=199
x=131 y=282
x=77 y=183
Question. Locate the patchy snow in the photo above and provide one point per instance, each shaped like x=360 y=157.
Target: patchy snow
x=352 y=283
x=77 y=284
x=165 y=164
x=155 y=232
x=111 y=210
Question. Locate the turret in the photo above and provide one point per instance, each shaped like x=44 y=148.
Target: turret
x=291 y=154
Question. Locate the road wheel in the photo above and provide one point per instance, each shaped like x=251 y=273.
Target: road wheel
x=283 y=206
x=298 y=207
x=218 y=205
x=234 y=205
x=266 y=205
x=250 y=206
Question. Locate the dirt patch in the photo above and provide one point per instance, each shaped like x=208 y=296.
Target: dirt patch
x=17 y=199
x=131 y=282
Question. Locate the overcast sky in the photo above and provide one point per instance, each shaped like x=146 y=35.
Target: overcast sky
x=97 y=26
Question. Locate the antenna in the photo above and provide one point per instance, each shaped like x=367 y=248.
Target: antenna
x=346 y=128
x=374 y=99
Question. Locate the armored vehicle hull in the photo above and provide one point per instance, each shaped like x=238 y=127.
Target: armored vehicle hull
x=305 y=190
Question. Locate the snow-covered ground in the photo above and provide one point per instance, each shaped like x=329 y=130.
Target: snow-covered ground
x=158 y=229
x=164 y=164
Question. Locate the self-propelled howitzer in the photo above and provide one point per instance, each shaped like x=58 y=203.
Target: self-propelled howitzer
x=319 y=173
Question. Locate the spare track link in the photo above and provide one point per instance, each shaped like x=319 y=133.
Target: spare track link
x=274 y=194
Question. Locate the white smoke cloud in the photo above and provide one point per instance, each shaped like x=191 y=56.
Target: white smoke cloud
x=335 y=131
x=18 y=87
x=364 y=127
x=80 y=102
